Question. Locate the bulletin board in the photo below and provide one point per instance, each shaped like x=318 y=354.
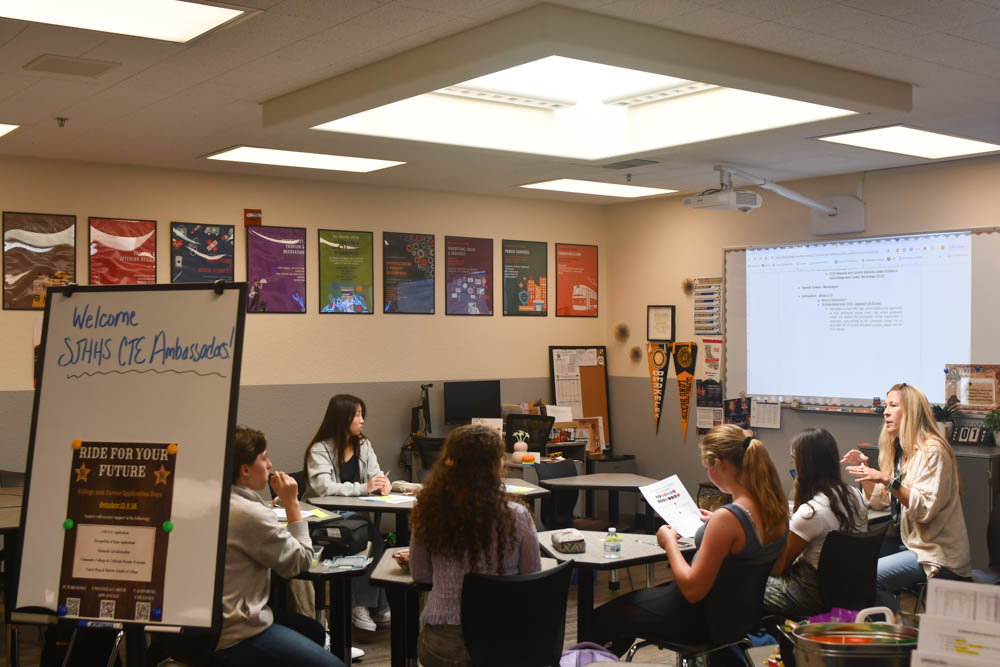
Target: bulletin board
x=579 y=377
x=126 y=503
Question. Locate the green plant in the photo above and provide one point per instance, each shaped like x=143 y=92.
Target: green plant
x=992 y=421
x=943 y=413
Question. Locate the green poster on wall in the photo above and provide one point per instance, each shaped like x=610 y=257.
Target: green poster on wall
x=525 y=278
x=345 y=272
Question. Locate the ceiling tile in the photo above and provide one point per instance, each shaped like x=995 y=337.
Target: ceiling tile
x=883 y=33
x=770 y=10
x=829 y=19
x=325 y=13
x=712 y=22
x=656 y=13
x=948 y=15
x=986 y=32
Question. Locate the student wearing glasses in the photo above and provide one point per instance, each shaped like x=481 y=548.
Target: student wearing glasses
x=918 y=480
x=465 y=521
x=253 y=634
x=754 y=527
x=823 y=502
x=340 y=461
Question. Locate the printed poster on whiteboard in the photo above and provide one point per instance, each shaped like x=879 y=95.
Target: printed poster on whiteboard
x=576 y=280
x=117 y=530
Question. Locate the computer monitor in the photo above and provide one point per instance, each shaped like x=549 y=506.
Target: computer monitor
x=468 y=399
x=537 y=428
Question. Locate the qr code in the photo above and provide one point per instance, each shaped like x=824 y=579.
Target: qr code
x=72 y=606
x=107 y=609
x=142 y=611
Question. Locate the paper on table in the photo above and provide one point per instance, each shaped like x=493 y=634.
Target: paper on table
x=952 y=636
x=672 y=502
x=963 y=600
x=929 y=659
x=511 y=488
x=765 y=415
x=282 y=514
x=392 y=499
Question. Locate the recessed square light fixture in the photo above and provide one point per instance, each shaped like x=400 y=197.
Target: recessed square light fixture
x=283 y=158
x=910 y=141
x=597 y=188
x=168 y=20
x=4 y=128
x=572 y=108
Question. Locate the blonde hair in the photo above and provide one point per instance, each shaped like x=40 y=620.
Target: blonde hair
x=755 y=471
x=917 y=430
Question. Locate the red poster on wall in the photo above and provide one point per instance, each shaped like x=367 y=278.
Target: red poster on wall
x=122 y=252
x=576 y=280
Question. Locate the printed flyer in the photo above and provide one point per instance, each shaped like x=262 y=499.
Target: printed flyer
x=276 y=269
x=576 y=280
x=39 y=250
x=468 y=276
x=201 y=253
x=408 y=273
x=117 y=530
x=525 y=278
x=346 y=276
x=122 y=252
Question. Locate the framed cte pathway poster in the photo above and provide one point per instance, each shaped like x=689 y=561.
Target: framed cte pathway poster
x=126 y=503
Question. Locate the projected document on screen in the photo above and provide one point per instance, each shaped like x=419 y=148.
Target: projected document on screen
x=849 y=319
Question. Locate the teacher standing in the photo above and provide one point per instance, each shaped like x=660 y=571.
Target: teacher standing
x=921 y=486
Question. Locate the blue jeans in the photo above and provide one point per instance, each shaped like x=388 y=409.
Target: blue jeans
x=896 y=572
x=278 y=646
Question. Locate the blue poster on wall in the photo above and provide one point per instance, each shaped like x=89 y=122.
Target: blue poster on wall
x=201 y=253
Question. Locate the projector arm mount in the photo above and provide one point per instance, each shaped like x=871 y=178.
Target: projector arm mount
x=726 y=173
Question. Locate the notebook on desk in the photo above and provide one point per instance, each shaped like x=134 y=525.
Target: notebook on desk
x=532 y=429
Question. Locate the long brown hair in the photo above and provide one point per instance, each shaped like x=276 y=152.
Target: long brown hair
x=756 y=472
x=336 y=426
x=462 y=508
x=817 y=468
x=917 y=430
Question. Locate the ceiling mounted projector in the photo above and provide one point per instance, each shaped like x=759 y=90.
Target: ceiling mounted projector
x=726 y=200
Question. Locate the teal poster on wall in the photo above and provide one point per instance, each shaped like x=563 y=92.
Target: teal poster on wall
x=525 y=278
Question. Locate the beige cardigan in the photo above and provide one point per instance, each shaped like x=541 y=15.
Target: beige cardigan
x=933 y=526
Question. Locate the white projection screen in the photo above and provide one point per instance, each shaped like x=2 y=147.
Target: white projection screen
x=842 y=321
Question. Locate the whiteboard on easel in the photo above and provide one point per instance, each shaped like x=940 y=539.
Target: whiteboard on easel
x=127 y=497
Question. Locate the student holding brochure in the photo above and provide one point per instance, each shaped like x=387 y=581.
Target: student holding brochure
x=340 y=461
x=753 y=527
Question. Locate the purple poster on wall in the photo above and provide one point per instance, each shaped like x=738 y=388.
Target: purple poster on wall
x=276 y=270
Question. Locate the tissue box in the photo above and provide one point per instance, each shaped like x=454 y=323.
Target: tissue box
x=569 y=541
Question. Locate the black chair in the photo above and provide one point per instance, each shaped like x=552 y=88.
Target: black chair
x=558 y=506
x=300 y=480
x=848 y=564
x=537 y=601
x=732 y=608
x=991 y=575
x=429 y=451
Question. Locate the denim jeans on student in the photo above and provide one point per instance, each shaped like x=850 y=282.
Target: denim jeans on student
x=900 y=570
x=279 y=646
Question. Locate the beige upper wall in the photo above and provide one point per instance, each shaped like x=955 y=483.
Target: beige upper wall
x=655 y=244
x=314 y=348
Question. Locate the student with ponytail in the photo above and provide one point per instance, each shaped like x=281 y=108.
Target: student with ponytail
x=753 y=527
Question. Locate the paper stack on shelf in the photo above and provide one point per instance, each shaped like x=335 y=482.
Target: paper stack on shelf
x=961 y=627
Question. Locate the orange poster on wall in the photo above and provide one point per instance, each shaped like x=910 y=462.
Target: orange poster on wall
x=576 y=280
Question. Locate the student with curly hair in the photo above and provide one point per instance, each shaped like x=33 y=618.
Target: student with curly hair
x=754 y=527
x=823 y=502
x=340 y=461
x=464 y=521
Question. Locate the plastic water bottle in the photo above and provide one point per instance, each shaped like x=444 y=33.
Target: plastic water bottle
x=612 y=544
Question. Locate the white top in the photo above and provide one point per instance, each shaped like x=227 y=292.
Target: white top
x=814 y=519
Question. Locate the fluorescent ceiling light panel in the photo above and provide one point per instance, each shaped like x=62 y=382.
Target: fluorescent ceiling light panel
x=169 y=20
x=298 y=159
x=576 y=109
x=597 y=188
x=4 y=128
x=910 y=141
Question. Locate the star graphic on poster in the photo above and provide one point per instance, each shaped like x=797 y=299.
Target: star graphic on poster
x=161 y=475
x=82 y=472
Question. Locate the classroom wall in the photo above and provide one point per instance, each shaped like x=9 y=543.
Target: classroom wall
x=658 y=243
x=293 y=363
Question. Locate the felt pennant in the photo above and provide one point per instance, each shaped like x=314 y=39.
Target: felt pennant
x=685 y=357
x=658 y=357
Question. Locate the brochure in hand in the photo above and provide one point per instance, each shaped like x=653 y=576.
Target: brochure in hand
x=672 y=502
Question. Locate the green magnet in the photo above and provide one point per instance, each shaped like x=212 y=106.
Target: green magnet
x=68 y=524
x=168 y=526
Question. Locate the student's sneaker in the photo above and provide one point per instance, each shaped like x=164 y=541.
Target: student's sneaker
x=362 y=619
x=382 y=618
x=356 y=653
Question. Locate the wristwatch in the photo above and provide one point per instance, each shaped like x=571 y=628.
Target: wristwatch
x=896 y=482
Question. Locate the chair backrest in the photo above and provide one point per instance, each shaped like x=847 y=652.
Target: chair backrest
x=557 y=509
x=735 y=603
x=537 y=601
x=300 y=479
x=429 y=451
x=847 y=567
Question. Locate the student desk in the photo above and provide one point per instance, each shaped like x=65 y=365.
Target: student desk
x=636 y=550
x=612 y=482
x=10 y=528
x=404 y=598
x=402 y=509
